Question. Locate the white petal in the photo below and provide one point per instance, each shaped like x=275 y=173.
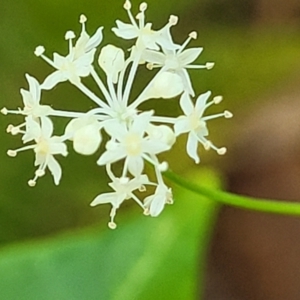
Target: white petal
x=186 y=104
x=154 y=57
x=115 y=129
x=95 y=40
x=55 y=169
x=166 y=85
x=114 y=198
x=182 y=125
x=34 y=88
x=189 y=55
x=53 y=79
x=157 y=205
x=191 y=147
x=183 y=73
x=201 y=101
x=125 y=31
x=47 y=127
x=141 y=123
x=57 y=147
x=135 y=165
x=110 y=156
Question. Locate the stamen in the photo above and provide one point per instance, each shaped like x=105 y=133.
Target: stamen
x=82 y=19
x=217 y=100
x=39 y=50
x=143 y=6
x=221 y=151
x=209 y=65
x=31 y=183
x=112 y=225
x=15 y=130
x=9 y=128
x=228 y=114
x=173 y=20
x=127 y=5
x=142 y=188
x=193 y=35
x=40 y=173
x=70 y=35
x=4 y=111
x=12 y=153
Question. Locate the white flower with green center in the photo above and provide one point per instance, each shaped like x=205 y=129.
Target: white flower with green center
x=45 y=148
x=123 y=190
x=177 y=61
x=194 y=123
x=78 y=63
x=132 y=143
x=32 y=106
x=147 y=38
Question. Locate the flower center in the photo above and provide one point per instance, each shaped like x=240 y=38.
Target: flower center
x=42 y=147
x=133 y=144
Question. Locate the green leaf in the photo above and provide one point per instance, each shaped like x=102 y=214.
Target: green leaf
x=147 y=258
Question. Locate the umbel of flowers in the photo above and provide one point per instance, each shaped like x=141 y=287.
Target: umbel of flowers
x=135 y=136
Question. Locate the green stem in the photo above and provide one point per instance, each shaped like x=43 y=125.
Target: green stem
x=244 y=202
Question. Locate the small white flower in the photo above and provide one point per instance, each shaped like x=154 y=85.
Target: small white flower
x=123 y=190
x=132 y=144
x=145 y=35
x=78 y=63
x=155 y=203
x=194 y=123
x=45 y=148
x=177 y=61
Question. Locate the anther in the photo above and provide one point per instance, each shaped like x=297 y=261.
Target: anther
x=39 y=173
x=112 y=225
x=146 y=212
x=142 y=188
x=82 y=19
x=14 y=130
x=4 y=111
x=70 y=35
x=149 y=66
x=127 y=5
x=39 y=50
x=143 y=6
x=9 y=128
x=193 y=35
x=221 y=151
x=173 y=20
x=207 y=145
x=228 y=114
x=217 y=99
x=209 y=65
x=12 y=153
x=31 y=183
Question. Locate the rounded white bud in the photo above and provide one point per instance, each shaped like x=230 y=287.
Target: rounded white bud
x=4 y=111
x=70 y=35
x=222 y=151
x=217 y=99
x=31 y=183
x=82 y=19
x=228 y=114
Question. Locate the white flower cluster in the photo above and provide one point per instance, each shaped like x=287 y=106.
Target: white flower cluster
x=134 y=136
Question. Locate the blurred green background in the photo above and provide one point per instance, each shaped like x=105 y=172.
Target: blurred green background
x=255 y=54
